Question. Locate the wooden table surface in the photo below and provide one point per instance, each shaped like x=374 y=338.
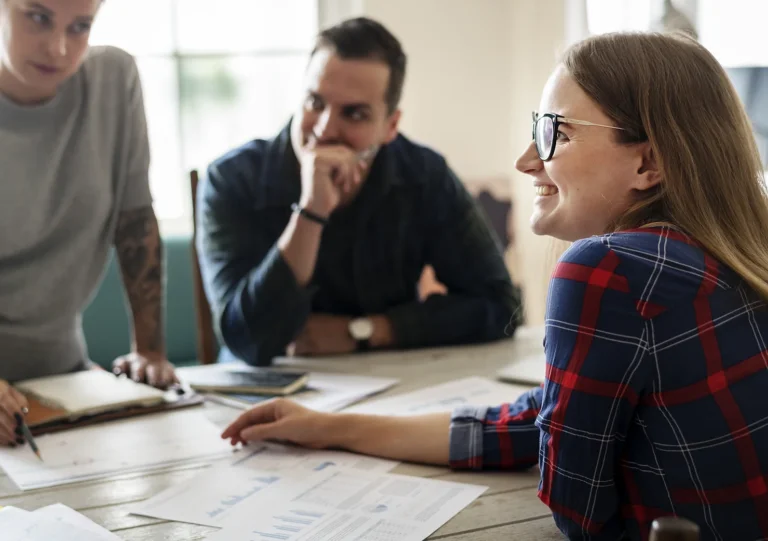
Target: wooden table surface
x=509 y=509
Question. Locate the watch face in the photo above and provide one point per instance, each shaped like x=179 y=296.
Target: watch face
x=361 y=329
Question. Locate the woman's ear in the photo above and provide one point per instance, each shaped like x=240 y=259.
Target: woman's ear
x=648 y=173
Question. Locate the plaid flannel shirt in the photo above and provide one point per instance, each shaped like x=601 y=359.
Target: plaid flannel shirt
x=656 y=398
x=411 y=211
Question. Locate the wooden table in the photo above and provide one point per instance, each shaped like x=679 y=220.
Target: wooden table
x=509 y=509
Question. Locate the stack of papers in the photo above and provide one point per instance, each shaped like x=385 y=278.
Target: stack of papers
x=139 y=444
x=57 y=522
x=233 y=486
x=315 y=495
x=334 y=505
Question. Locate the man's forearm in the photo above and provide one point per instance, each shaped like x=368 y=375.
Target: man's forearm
x=299 y=245
x=453 y=319
x=140 y=254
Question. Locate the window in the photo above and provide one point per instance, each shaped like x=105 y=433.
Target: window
x=215 y=75
x=732 y=31
x=611 y=16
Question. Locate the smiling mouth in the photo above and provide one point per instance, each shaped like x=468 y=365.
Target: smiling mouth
x=45 y=69
x=546 y=190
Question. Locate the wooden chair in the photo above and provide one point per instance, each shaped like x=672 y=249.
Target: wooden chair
x=674 y=529
x=206 y=338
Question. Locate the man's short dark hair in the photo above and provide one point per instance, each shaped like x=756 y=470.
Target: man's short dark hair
x=364 y=38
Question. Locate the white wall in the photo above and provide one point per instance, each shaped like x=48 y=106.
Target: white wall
x=459 y=78
x=538 y=37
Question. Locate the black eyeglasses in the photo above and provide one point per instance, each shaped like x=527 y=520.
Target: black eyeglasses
x=545 y=129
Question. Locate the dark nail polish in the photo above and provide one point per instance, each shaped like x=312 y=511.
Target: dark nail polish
x=17 y=416
x=12 y=445
x=20 y=441
x=19 y=431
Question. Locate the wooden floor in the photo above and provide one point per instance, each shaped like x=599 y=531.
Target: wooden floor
x=509 y=509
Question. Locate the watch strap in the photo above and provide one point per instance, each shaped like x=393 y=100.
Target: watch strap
x=308 y=214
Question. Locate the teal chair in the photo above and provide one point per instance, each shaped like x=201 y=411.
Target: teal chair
x=189 y=330
x=106 y=324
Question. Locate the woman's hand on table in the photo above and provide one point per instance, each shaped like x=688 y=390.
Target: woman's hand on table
x=418 y=438
x=282 y=420
x=13 y=406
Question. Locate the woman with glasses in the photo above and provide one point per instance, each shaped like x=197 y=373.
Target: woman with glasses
x=75 y=161
x=656 y=327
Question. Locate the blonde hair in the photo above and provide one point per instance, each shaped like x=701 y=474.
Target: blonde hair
x=670 y=91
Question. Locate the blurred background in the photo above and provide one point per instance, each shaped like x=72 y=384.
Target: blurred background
x=219 y=73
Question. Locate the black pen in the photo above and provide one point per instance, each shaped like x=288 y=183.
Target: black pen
x=28 y=436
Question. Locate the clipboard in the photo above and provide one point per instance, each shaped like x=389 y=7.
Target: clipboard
x=39 y=413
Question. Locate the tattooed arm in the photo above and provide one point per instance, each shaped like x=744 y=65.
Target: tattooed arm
x=140 y=253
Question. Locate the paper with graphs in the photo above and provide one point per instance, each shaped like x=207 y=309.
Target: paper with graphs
x=343 y=504
x=322 y=504
x=227 y=487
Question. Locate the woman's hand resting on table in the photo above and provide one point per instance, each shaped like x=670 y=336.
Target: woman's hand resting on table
x=282 y=420
x=13 y=405
x=420 y=438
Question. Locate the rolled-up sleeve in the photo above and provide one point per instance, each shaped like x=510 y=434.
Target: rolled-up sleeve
x=502 y=437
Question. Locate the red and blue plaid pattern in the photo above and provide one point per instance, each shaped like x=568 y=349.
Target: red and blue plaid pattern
x=656 y=399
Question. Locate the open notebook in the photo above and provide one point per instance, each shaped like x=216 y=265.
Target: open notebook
x=86 y=393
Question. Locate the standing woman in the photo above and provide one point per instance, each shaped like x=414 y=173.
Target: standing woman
x=74 y=162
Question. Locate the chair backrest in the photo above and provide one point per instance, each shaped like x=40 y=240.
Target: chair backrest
x=674 y=529
x=498 y=213
x=206 y=338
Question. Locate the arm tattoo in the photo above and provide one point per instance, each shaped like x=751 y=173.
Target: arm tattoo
x=140 y=253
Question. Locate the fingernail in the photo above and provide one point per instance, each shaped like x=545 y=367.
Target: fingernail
x=18 y=418
x=13 y=445
x=20 y=441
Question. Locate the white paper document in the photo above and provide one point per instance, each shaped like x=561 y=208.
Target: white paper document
x=342 y=504
x=526 y=370
x=211 y=497
x=53 y=522
x=334 y=392
x=445 y=397
x=140 y=444
x=274 y=457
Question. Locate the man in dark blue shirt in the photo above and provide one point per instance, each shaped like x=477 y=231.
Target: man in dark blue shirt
x=313 y=242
